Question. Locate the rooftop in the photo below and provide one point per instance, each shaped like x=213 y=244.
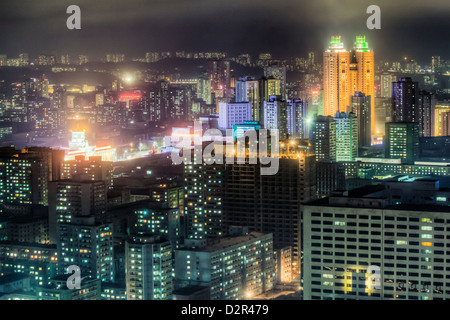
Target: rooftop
x=11 y=277
x=361 y=198
x=226 y=242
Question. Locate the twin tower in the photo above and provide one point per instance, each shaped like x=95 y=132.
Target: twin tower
x=346 y=72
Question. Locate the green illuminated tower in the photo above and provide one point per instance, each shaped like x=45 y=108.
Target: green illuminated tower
x=361 y=44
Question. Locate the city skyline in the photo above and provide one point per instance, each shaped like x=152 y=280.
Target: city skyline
x=224 y=150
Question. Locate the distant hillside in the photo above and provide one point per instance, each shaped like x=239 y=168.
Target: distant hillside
x=12 y=74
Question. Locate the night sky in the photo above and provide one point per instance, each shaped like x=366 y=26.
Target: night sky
x=413 y=28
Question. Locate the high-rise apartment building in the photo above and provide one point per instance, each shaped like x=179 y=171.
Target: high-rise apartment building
x=54 y=159
x=88 y=244
x=275 y=116
x=152 y=218
x=270 y=203
x=360 y=105
x=435 y=63
x=233 y=113
x=391 y=230
x=426 y=103
x=346 y=136
x=365 y=80
x=267 y=86
x=405 y=96
x=69 y=199
x=204 y=89
x=386 y=80
x=323 y=138
x=148 y=268
x=330 y=176
x=218 y=71
x=23 y=59
x=277 y=71
x=203 y=201
x=23 y=179
x=297 y=125
x=37 y=261
x=241 y=90
x=402 y=141
x=445 y=123
x=29 y=229
x=92 y=168
x=45 y=60
x=247 y=90
x=439 y=109
x=234 y=267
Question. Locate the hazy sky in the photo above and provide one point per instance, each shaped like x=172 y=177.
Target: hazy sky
x=413 y=28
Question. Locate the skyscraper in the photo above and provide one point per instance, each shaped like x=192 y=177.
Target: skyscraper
x=219 y=72
x=336 y=70
x=323 y=138
x=435 y=63
x=402 y=141
x=426 y=105
x=365 y=73
x=438 y=111
x=360 y=105
x=267 y=86
x=160 y=109
x=241 y=90
x=204 y=89
x=233 y=113
x=88 y=244
x=278 y=72
x=386 y=80
x=445 y=123
x=275 y=116
x=203 y=202
x=247 y=90
x=346 y=136
x=23 y=179
x=148 y=268
x=152 y=218
x=69 y=199
x=296 y=118
x=405 y=94
x=345 y=72
x=271 y=203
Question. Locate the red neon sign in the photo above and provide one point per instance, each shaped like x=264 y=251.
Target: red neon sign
x=130 y=96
